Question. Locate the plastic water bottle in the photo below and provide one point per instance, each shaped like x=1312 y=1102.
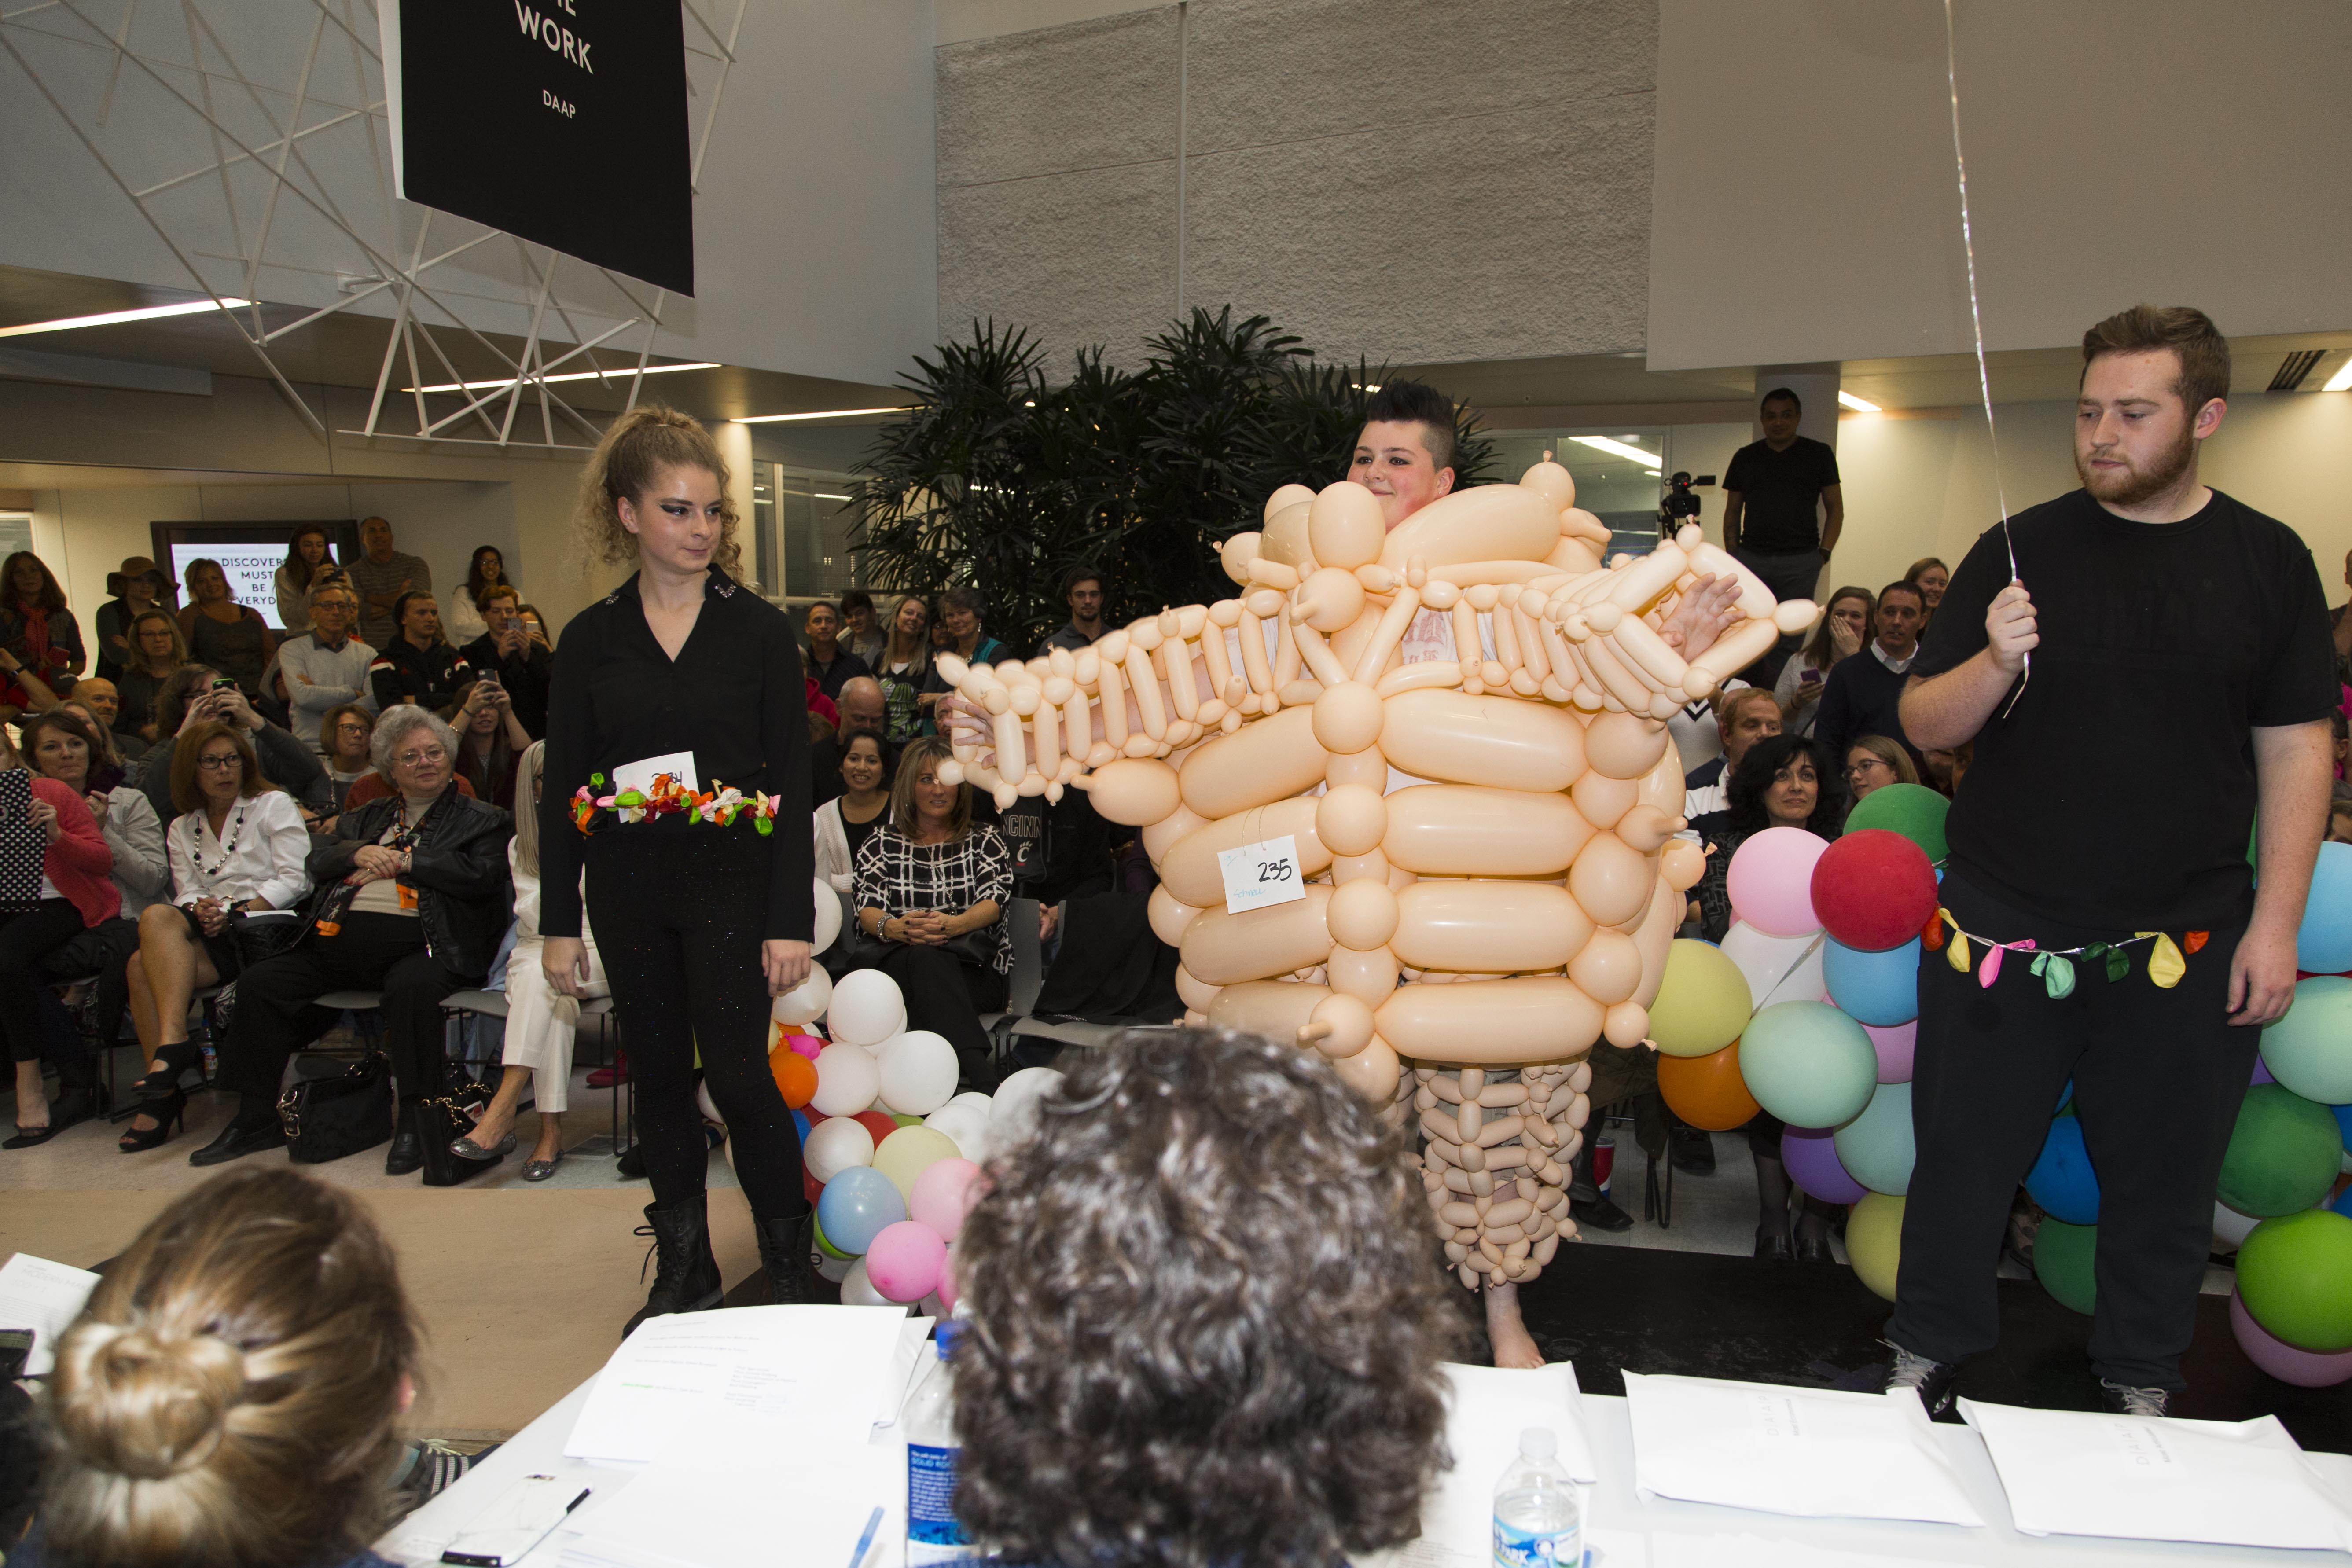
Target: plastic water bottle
x=933 y=1536
x=1538 y=1517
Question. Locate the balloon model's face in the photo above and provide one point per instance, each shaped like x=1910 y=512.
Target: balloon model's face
x=1392 y=461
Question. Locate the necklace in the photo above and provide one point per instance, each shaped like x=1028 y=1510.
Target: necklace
x=228 y=850
x=404 y=833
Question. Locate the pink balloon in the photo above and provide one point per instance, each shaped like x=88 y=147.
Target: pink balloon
x=1771 y=882
x=2305 y=1369
x=943 y=1193
x=947 y=1291
x=903 y=1261
x=804 y=1046
x=1893 y=1044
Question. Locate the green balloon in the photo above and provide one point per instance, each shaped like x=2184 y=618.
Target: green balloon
x=2284 y=1153
x=1703 y=1001
x=2309 y=1050
x=1875 y=1147
x=1809 y=1064
x=2064 y=1259
x=1913 y=811
x=824 y=1244
x=2295 y=1276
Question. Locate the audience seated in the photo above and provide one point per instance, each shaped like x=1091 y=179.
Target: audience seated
x=1873 y=762
x=534 y=624
x=64 y=895
x=308 y=563
x=1201 y=1320
x=230 y=637
x=859 y=709
x=325 y=667
x=830 y=662
x=35 y=622
x=198 y=694
x=931 y=886
x=141 y=585
x=489 y=739
x=507 y=653
x=1862 y=696
x=1844 y=624
x=423 y=903
x=540 y=1024
x=99 y=702
x=236 y=843
x=844 y=823
x=157 y=650
x=418 y=664
x=345 y=728
x=231 y=1396
x=1742 y=718
x=1942 y=771
x=469 y=606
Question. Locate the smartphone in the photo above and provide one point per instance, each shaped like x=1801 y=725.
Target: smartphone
x=491 y=677
x=222 y=683
x=515 y=1521
x=16 y=1350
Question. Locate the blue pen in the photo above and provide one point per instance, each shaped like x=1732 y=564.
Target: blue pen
x=873 y=1524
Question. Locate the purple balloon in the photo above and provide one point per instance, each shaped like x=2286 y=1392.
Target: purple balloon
x=1894 y=1044
x=2263 y=1072
x=1813 y=1162
x=2305 y=1369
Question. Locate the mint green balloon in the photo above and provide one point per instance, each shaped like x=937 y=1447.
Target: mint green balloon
x=2295 y=1274
x=2065 y=1259
x=2309 y=1050
x=1808 y=1064
x=1875 y=1147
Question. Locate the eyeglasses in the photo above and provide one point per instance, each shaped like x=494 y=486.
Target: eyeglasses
x=416 y=759
x=222 y=763
x=351 y=727
x=1867 y=763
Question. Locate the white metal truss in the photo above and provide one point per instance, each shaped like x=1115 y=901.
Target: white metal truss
x=222 y=151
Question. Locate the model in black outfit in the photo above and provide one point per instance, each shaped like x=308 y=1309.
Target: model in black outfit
x=697 y=924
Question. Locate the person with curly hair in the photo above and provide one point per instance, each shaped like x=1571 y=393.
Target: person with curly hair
x=1201 y=1326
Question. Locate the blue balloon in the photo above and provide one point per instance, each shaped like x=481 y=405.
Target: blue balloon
x=2344 y=1122
x=2061 y=1180
x=2324 y=944
x=2066 y=1094
x=856 y=1205
x=1879 y=989
x=801 y=1125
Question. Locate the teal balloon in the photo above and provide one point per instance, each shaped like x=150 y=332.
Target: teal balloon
x=856 y=1205
x=2065 y=1259
x=2309 y=1050
x=1808 y=1064
x=2284 y=1156
x=2323 y=944
x=1875 y=1147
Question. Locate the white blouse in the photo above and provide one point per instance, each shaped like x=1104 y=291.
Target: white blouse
x=466 y=621
x=264 y=857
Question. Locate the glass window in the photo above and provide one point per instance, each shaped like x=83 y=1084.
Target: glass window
x=1619 y=474
x=816 y=512
x=763 y=530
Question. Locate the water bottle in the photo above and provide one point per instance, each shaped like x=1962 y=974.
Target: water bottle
x=933 y=1536
x=1539 y=1518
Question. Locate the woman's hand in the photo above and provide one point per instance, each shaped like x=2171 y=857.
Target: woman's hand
x=786 y=962
x=377 y=862
x=563 y=961
x=1844 y=640
x=1048 y=917
x=212 y=916
x=98 y=807
x=44 y=815
x=926 y=927
x=235 y=709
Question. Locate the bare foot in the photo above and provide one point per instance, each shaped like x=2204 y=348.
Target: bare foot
x=1506 y=1330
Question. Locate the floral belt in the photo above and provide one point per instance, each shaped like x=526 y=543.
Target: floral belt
x=669 y=798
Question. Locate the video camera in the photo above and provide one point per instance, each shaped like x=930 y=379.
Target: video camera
x=1679 y=506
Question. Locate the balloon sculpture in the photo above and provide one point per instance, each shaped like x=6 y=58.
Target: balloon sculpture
x=1493 y=829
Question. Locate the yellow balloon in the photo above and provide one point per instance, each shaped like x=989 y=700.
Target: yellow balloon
x=1702 y=1002
x=908 y=1152
x=1874 y=1241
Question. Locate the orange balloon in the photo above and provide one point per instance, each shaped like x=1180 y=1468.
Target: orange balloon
x=795 y=1074
x=1707 y=1092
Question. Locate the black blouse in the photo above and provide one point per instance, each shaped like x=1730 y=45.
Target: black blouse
x=734 y=697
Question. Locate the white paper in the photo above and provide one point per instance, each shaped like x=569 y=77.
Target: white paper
x=641 y=774
x=45 y=1298
x=1486 y=1409
x=1755 y=1552
x=808 y=1369
x=914 y=1348
x=1261 y=875
x=2226 y=1483
x=1812 y=1452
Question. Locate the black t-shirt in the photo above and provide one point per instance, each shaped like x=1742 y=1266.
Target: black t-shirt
x=1778 y=492
x=2119 y=792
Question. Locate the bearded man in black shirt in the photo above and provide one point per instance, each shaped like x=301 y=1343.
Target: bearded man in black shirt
x=2173 y=633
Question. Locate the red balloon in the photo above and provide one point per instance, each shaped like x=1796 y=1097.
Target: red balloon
x=1874 y=889
x=879 y=1122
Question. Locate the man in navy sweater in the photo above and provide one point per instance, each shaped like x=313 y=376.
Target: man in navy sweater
x=1864 y=696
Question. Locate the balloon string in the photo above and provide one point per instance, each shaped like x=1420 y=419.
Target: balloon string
x=1976 y=321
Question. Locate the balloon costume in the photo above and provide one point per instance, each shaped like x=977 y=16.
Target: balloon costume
x=1486 y=835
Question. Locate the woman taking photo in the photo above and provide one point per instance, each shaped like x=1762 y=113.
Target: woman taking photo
x=157 y=650
x=683 y=671
x=69 y=894
x=306 y=557
x=1873 y=763
x=844 y=823
x=486 y=570
x=932 y=890
x=231 y=637
x=489 y=739
x=237 y=843
x=1846 y=627
x=232 y=1393
x=35 y=622
x=903 y=668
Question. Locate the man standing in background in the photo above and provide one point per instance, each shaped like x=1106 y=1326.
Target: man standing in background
x=1770 y=496
x=382 y=575
x=1082 y=590
x=326 y=666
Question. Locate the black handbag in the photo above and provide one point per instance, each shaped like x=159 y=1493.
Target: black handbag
x=441 y=1120
x=266 y=933
x=332 y=1118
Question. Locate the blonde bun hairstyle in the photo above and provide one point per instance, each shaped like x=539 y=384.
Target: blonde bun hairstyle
x=641 y=445
x=230 y=1396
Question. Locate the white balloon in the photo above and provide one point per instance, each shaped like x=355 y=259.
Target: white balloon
x=973 y=1097
x=847 y=1079
x=1778 y=968
x=829 y=916
x=878 y=1047
x=835 y=1269
x=966 y=1127
x=857 y=1290
x=835 y=1145
x=918 y=1073
x=1013 y=1112
x=710 y=1108
x=867 y=1008
x=805 y=1002
x=2230 y=1228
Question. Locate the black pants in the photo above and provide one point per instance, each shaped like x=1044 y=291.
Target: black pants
x=275 y=1013
x=678 y=913
x=25 y=938
x=104 y=951
x=947 y=996
x=2158 y=1076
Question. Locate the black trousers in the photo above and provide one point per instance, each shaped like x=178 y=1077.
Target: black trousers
x=2158 y=1076
x=104 y=950
x=678 y=914
x=276 y=1014
x=947 y=996
x=25 y=938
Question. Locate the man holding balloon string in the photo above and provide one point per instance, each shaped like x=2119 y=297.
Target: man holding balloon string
x=2149 y=620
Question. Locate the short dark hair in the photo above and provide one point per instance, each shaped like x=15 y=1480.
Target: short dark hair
x=1905 y=586
x=1204 y=1318
x=1418 y=403
x=855 y=599
x=1782 y=395
x=964 y=599
x=2188 y=332
x=1076 y=575
x=399 y=608
x=1744 y=790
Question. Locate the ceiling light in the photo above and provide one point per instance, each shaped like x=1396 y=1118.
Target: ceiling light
x=1653 y=473
x=820 y=413
x=2342 y=379
x=826 y=495
x=1364 y=386
x=507 y=380
x=112 y=318
x=1859 y=404
x=1616 y=448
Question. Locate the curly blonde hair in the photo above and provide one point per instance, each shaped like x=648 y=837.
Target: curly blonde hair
x=635 y=452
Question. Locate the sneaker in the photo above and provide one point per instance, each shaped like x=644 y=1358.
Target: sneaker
x=2121 y=1399
x=1930 y=1380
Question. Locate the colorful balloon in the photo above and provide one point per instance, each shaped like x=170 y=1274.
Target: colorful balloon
x=2061 y=1180
x=795 y=1074
x=857 y=1204
x=1875 y=1147
x=1915 y=811
x=1702 y=1003
x=1809 y=1155
x=1771 y=880
x=2309 y=1050
x=907 y=1153
x=2323 y=945
x=1808 y=1064
x=1874 y=889
x=903 y=1262
x=2285 y=1154
x=2303 y=1369
x=2295 y=1274
x=1895 y=1044
x=1877 y=988
x=944 y=1194
x=1874 y=1241
x=1707 y=1092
